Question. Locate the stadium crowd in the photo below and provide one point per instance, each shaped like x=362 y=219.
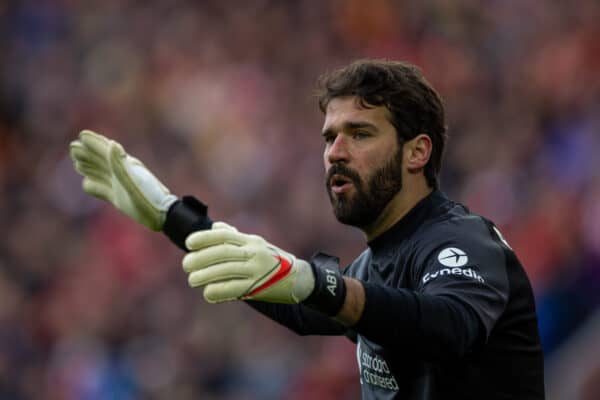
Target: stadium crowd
x=217 y=99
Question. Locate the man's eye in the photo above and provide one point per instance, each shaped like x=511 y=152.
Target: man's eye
x=360 y=135
x=329 y=139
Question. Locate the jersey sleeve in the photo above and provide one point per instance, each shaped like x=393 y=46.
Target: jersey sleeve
x=466 y=264
x=459 y=290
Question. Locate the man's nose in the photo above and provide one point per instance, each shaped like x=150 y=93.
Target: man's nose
x=338 y=150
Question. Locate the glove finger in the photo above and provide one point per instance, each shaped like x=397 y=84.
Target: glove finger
x=221 y=272
x=88 y=170
x=219 y=254
x=207 y=238
x=117 y=157
x=223 y=225
x=79 y=152
x=95 y=142
x=226 y=291
x=97 y=189
x=90 y=165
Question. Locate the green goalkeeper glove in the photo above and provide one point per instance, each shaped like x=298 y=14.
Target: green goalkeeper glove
x=112 y=175
x=236 y=266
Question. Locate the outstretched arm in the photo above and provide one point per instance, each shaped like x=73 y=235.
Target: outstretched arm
x=112 y=175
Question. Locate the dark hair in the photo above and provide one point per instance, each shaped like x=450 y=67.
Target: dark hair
x=414 y=105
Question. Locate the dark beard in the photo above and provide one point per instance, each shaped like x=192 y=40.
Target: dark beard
x=367 y=203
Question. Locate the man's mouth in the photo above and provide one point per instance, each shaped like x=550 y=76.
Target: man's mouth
x=340 y=184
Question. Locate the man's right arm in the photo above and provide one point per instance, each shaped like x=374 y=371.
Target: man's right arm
x=452 y=310
x=114 y=176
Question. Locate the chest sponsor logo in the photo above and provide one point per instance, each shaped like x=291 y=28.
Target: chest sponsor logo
x=374 y=370
x=453 y=257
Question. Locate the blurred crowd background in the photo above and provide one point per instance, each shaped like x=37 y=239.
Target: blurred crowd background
x=217 y=98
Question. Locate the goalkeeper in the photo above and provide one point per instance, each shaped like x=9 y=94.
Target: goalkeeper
x=438 y=304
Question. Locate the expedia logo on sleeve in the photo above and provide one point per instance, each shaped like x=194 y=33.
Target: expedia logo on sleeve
x=453 y=258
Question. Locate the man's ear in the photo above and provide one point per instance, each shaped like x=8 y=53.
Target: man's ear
x=417 y=152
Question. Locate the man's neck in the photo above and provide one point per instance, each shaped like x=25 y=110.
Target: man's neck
x=398 y=207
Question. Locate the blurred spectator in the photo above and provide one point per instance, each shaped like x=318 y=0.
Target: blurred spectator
x=216 y=97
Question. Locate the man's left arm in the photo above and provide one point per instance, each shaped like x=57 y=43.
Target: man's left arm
x=434 y=326
x=453 y=307
x=458 y=301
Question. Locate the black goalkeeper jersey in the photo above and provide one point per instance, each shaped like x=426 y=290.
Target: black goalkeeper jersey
x=449 y=311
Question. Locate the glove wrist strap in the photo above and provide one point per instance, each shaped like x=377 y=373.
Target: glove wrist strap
x=185 y=216
x=329 y=293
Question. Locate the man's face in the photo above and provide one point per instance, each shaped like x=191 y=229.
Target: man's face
x=363 y=160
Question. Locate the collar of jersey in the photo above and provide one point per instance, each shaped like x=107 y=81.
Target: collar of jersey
x=428 y=207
